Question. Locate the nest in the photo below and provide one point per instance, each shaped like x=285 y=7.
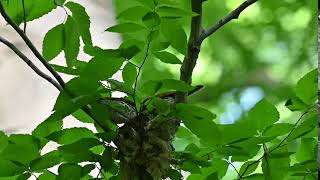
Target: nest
x=144 y=141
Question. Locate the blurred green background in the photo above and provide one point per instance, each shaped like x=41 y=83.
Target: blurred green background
x=262 y=54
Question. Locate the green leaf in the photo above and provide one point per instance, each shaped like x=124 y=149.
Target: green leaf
x=174 y=174
x=82 y=116
x=47 y=176
x=151 y=19
x=199 y=121
x=147 y=3
x=65 y=70
x=83 y=156
x=217 y=166
x=254 y=177
x=275 y=167
x=3 y=141
x=9 y=168
x=306 y=150
x=129 y=52
x=97 y=51
x=295 y=104
x=24 y=176
x=126 y=28
x=178 y=85
x=29 y=145
x=305 y=127
x=84 y=91
x=167 y=57
x=46 y=161
x=263 y=114
x=191 y=167
x=34 y=8
x=106 y=160
x=72 y=41
x=307 y=87
x=151 y=87
x=170 y=12
x=51 y=124
x=80 y=146
x=102 y=68
x=159 y=46
x=69 y=171
x=278 y=129
x=53 y=42
x=68 y=136
x=174 y=33
x=82 y=19
x=120 y=86
x=250 y=169
x=87 y=169
x=129 y=74
x=133 y=13
x=101 y=114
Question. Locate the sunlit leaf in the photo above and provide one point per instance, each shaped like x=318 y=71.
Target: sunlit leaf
x=125 y=28
x=53 y=42
x=72 y=41
x=129 y=74
x=82 y=20
x=307 y=87
x=151 y=19
x=200 y=122
x=46 y=161
x=167 y=57
x=71 y=135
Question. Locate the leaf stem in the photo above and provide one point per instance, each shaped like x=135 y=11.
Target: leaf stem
x=138 y=74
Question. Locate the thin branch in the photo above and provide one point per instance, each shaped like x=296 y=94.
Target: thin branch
x=60 y=85
x=232 y=166
x=279 y=145
x=233 y=15
x=60 y=5
x=100 y=172
x=30 y=45
x=138 y=74
x=30 y=64
x=24 y=16
x=294 y=127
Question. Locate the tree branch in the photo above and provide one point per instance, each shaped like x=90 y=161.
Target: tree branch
x=193 y=50
x=275 y=148
x=233 y=15
x=30 y=64
x=30 y=45
x=60 y=85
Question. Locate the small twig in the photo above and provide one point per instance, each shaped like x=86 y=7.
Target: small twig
x=31 y=46
x=233 y=15
x=30 y=64
x=100 y=172
x=138 y=74
x=232 y=166
x=24 y=16
x=60 y=5
x=294 y=127
x=279 y=145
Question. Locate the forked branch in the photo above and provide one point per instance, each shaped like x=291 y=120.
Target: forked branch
x=30 y=45
x=197 y=36
x=30 y=64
